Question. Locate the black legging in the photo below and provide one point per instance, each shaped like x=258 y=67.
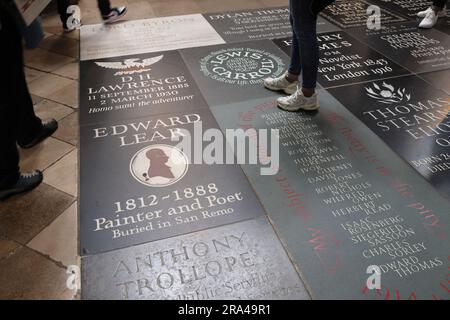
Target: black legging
x=103 y=5
x=439 y=3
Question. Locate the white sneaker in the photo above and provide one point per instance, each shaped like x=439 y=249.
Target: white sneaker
x=281 y=84
x=298 y=101
x=429 y=21
x=442 y=13
x=115 y=14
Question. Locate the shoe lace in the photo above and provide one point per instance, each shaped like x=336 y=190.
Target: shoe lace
x=430 y=15
x=297 y=97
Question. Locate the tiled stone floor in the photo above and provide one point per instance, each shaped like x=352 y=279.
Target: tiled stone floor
x=38 y=231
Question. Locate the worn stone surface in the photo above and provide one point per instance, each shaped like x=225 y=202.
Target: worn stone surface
x=145 y=36
x=240 y=261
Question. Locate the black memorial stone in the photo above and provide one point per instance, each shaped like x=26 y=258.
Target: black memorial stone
x=235 y=72
x=257 y=24
x=137 y=185
x=244 y=260
x=353 y=13
x=443 y=24
x=129 y=87
x=345 y=60
x=416 y=49
x=343 y=201
x=408 y=8
x=412 y=117
x=439 y=79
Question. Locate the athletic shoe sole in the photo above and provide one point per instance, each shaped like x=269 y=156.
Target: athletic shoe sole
x=285 y=90
x=305 y=108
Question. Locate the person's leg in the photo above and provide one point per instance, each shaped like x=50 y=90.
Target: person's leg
x=62 y=10
x=295 y=66
x=11 y=180
x=29 y=125
x=305 y=26
x=104 y=6
x=439 y=4
x=9 y=159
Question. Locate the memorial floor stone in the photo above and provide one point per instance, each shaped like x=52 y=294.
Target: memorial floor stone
x=258 y=24
x=244 y=260
x=136 y=186
x=235 y=72
x=345 y=60
x=353 y=13
x=416 y=49
x=408 y=8
x=343 y=201
x=439 y=79
x=134 y=86
x=146 y=36
x=412 y=117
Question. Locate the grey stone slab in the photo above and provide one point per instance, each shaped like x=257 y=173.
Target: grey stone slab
x=235 y=72
x=412 y=117
x=136 y=187
x=345 y=60
x=134 y=86
x=343 y=201
x=239 y=261
x=439 y=79
x=353 y=13
x=418 y=50
x=145 y=36
x=258 y=24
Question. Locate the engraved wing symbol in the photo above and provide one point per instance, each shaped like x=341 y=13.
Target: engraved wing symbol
x=150 y=61
x=113 y=65
x=130 y=63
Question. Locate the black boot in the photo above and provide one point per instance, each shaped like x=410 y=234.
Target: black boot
x=48 y=128
x=26 y=182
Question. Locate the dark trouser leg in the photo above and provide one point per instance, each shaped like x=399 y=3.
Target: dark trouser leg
x=439 y=3
x=305 y=30
x=62 y=10
x=104 y=6
x=29 y=124
x=295 y=66
x=9 y=113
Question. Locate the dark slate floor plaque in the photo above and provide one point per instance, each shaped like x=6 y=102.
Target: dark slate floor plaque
x=443 y=24
x=343 y=201
x=129 y=87
x=345 y=60
x=353 y=13
x=416 y=49
x=408 y=8
x=412 y=117
x=136 y=187
x=235 y=72
x=439 y=79
x=258 y=24
x=239 y=261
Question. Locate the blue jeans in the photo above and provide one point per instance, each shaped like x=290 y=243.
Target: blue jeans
x=305 y=48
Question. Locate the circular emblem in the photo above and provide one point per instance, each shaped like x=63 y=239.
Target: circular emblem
x=241 y=66
x=159 y=165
